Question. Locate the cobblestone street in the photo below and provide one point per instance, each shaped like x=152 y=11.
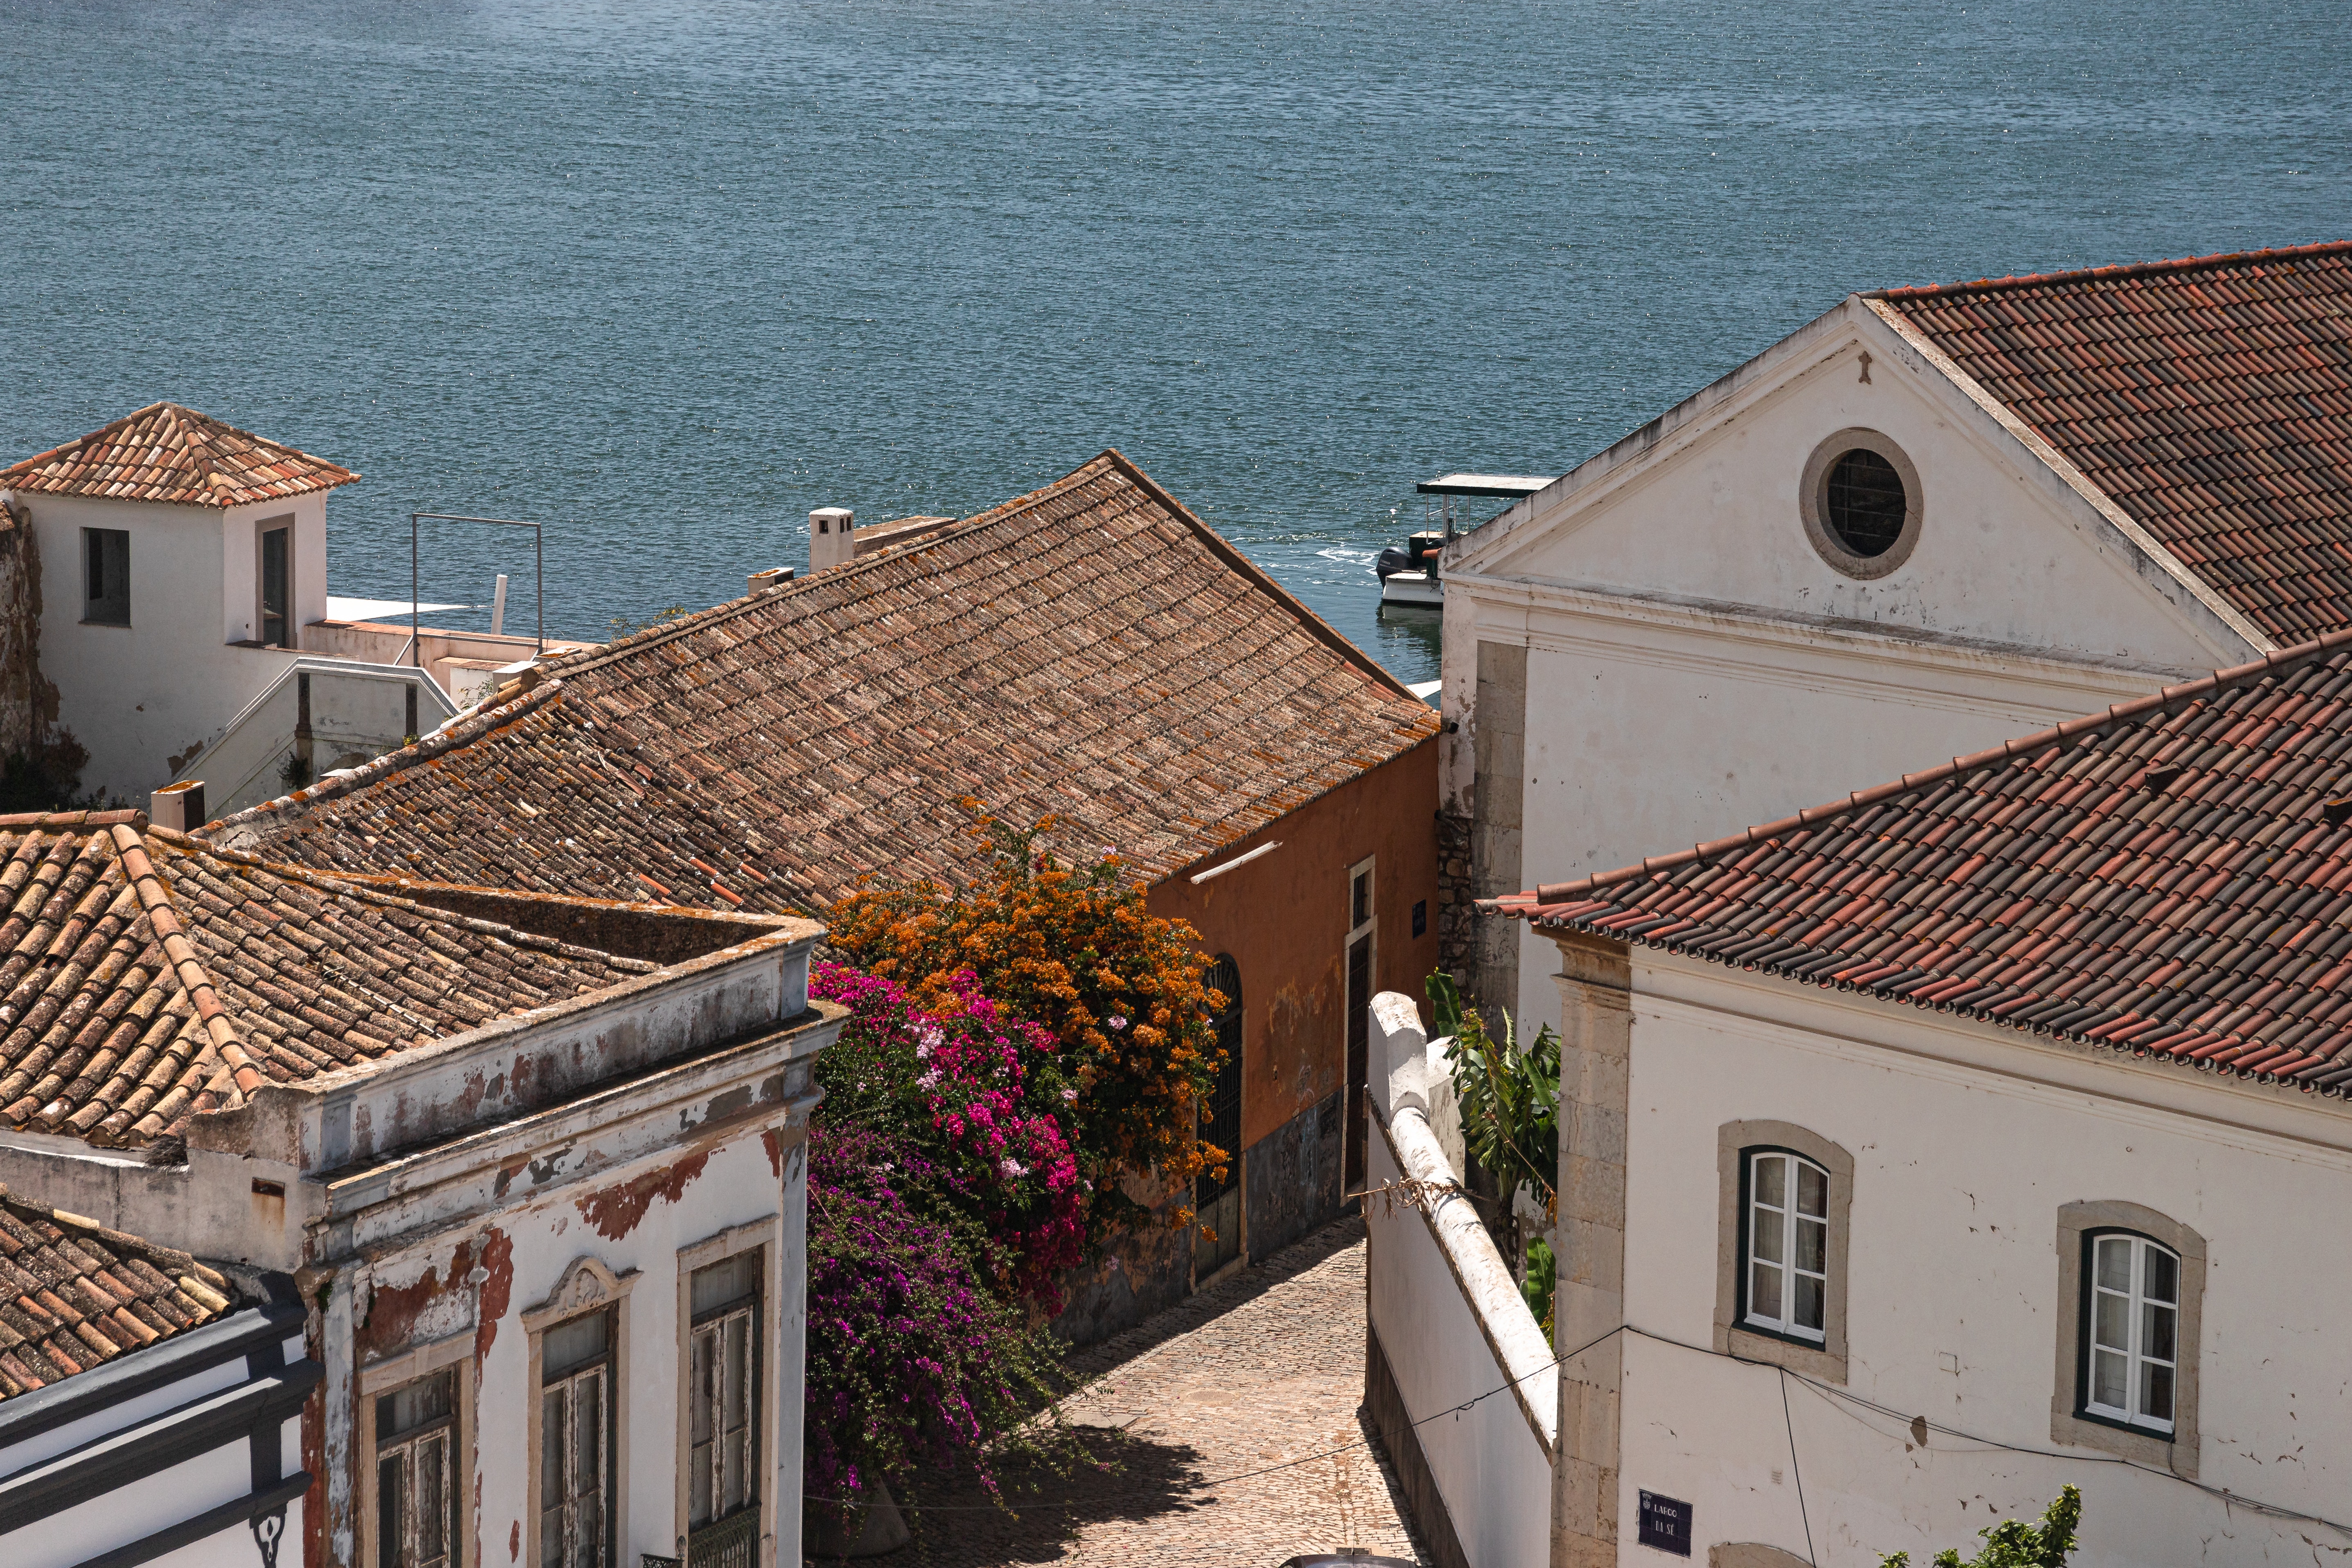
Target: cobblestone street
x=1266 y=1370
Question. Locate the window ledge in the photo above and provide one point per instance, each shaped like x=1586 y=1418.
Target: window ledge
x=1813 y=1360
x=118 y=626
x=2124 y=1442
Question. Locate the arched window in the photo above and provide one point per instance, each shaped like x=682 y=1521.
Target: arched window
x=1788 y=1220
x=1781 y=1242
x=2133 y=1282
x=2134 y=1325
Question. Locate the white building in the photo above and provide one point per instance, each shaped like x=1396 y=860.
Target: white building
x=184 y=613
x=1928 y=521
x=1921 y=1155
x=525 y=1172
x=1974 y=1134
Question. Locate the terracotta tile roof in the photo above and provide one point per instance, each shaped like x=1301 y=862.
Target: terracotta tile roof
x=74 y=1295
x=2171 y=879
x=145 y=976
x=1090 y=650
x=2210 y=398
x=167 y=453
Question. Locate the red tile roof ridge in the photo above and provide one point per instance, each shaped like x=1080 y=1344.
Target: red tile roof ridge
x=155 y=898
x=82 y=1295
x=154 y=1251
x=2132 y=270
x=1533 y=902
x=376 y=889
x=71 y=821
x=1109 y=459
x=458 y=731
x=194 y=434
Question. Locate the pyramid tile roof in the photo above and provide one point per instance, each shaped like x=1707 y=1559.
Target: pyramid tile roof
x=146 y=976
x=74 y=1295
x=2171 y=879
x=167 y=453
x=2210 y=398
x=1090 y=650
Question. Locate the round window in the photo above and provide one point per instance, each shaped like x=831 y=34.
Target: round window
x=1862 y=503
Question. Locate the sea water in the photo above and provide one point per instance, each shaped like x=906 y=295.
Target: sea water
x=665 y=277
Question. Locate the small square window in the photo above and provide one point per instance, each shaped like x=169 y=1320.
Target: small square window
x=1420 y=917
x=106 y=576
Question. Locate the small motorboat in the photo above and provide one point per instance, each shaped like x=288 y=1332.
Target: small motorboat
x=1409 y=577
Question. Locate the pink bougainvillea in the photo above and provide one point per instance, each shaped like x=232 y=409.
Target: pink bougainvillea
x=979 y=1094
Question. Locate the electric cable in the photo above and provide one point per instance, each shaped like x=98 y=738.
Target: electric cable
x=1833 y=1394
x=1796 y=1473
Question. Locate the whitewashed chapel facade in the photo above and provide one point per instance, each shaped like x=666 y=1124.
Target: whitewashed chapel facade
x=2111 y=480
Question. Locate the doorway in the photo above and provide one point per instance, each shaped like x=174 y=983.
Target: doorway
x=277 y=587
x=1217 y=1200
x=1360 y=932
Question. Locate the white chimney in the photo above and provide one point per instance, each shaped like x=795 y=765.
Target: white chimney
x=180 y=806
x=829 y=537
x=774 y=577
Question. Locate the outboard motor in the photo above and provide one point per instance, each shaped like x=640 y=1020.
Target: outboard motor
x=1393 y=561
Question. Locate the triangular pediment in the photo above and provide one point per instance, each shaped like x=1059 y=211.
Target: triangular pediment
x=1723 y=502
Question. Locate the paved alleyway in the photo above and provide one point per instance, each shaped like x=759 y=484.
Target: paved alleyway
x=1265 y=1369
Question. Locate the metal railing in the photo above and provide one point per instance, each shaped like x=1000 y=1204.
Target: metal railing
x=415 y=592
x=732 y=1542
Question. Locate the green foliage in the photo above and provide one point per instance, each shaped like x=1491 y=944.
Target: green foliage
x=622 y=626
x=45 y=777
x=1509 y=1097
x=1543 y=1278
x=2013 y=1544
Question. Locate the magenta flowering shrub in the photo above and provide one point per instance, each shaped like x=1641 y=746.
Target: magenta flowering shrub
x=911 y=1359
x=974 y=1097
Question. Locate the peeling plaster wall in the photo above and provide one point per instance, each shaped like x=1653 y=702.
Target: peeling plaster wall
x=635 y=1223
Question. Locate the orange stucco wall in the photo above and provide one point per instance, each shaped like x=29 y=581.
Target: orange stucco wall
x=1283 y=918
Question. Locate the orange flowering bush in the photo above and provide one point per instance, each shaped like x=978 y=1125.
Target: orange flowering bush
x=1071 y=948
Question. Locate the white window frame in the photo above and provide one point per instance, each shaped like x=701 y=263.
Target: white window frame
x=2072 y=1420
x=388 y=1376
x=1788 y=1220
x=587 y=1285
x=2137 y=1307
x=766 y=1235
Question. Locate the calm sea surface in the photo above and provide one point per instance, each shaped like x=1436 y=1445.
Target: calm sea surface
x=667 y=277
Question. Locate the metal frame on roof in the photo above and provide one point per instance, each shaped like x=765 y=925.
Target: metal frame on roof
x=1510 y=487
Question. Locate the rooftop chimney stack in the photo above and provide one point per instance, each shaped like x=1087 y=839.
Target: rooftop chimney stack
x=180 y=806
x=774 y=577
x=829 y=537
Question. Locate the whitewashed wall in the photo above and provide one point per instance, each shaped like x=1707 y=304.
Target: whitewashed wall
x=736 y=1185
x=1451 y=1322
x=1647 y=733
x=161 y=689
x=1966 y=1142
x=1694 y=667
